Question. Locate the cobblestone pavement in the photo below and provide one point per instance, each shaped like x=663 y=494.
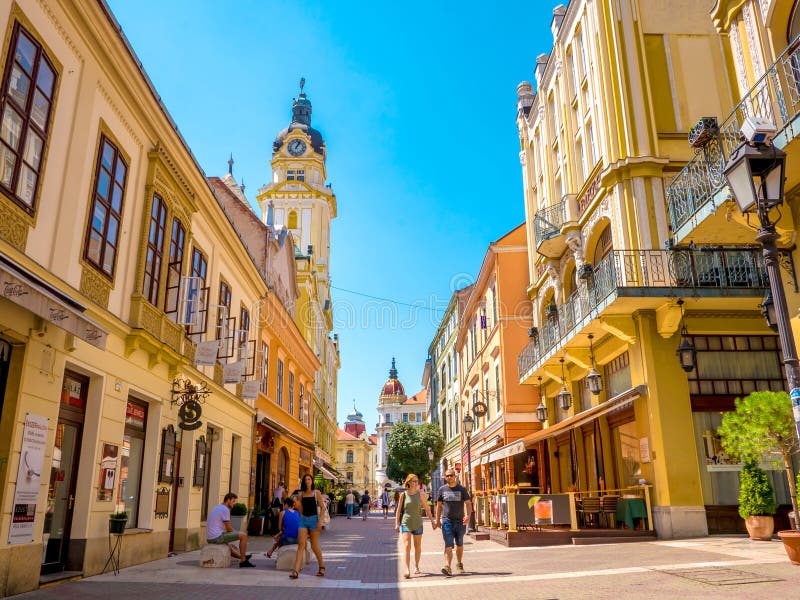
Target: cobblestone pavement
x=363 y=562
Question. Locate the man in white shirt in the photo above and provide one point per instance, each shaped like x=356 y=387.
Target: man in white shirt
x=220 y=531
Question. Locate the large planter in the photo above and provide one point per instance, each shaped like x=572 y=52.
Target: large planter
x=760 y=527
x=236 y=522
x=791 y=543
x=116 y=526
x=255 y=525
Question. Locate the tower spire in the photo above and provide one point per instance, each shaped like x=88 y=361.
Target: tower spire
x=393 y=370
x=301 y=107
x=230 y=165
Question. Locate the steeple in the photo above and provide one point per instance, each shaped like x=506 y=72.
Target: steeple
x=301 y=107
x=230 y=165
x=393 y=370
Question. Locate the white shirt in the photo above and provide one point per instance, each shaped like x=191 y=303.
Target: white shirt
x=215 y=524
x=351 y=498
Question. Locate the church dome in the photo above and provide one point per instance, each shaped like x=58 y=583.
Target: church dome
x=355 y=415
x=301 y=120
x=393 y=387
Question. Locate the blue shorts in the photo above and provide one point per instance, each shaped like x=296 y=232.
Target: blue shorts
x=403 y=529
x=351 y=508
x=453 y=532
x=308 y=522
x=287 y=541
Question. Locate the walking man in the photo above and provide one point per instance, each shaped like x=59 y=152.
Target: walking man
x=385 y=499
x=366 y=504
x=452 y=517
x=220 y=531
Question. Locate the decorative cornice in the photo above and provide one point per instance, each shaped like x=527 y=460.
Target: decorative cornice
x=119 y=114
x=57 y=25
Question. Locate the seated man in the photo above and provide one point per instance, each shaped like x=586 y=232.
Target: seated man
x=220 y=531
x=288 y=524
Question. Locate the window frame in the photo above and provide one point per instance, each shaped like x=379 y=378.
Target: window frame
x=151 y=279
x=107 y=205
x=28 y=123
x=177 y=252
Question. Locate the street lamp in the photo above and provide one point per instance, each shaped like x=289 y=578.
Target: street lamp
x=593 y=379
x=541 y=410
x=687 y=355
x=468 y=423
x=564 y=397
x=430 y=460
x=755 y=174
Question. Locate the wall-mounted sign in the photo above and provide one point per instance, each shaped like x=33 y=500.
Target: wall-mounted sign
x=199 y=479
x=29 y=479
x=167 y=463
x=205 y=353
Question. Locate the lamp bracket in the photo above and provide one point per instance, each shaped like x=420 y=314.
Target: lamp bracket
x=185 y=390
x=786 y=262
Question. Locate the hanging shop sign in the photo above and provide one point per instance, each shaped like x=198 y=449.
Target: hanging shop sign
x=29 y=479
x=189 y=396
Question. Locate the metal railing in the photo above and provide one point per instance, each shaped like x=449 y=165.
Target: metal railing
x=548 y=222
x=701 y=267
x=776 y=97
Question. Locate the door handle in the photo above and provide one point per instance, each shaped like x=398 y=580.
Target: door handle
x=70 y=502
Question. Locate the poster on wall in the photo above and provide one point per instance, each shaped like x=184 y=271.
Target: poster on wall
x=108 y=472
x=29 y=479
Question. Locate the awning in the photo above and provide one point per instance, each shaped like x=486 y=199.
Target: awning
x=511 y=449
x=274 y=425
x=45 y=301
x=326 y=473
x=617 y=402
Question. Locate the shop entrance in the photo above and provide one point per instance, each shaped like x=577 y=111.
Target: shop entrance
x=63 y=474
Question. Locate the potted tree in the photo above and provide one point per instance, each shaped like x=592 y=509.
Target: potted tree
x=756 y=502
x=238 y=513
x=256 y=523
x=117 y=522
x=762 y=427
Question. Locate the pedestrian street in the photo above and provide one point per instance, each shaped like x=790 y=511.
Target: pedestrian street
x=363 y=562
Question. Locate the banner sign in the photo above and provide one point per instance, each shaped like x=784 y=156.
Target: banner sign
x=205 y=354
x=29 y=479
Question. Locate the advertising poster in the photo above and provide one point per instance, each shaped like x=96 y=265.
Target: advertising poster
x=108 y=472
x=29 y=479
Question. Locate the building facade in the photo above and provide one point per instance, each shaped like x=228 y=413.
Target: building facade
x=118 y=267
x=614 y=282
x=299 y=199
x=355 y=454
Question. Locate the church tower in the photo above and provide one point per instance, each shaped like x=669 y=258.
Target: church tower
x=390 y=408
x=299 y=199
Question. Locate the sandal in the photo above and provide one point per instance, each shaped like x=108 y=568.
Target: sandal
x=321 y=572
x=294 y=574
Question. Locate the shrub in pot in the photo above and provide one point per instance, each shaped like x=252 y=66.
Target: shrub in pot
x=762 y=428
x=117 y=522
x=756 y=502
x=238 y=513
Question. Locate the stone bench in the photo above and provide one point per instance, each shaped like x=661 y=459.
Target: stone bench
x=215 y=556
x=285 y=556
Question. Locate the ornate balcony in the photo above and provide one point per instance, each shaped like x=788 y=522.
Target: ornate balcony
x=649 y=277
x=547 y=226
x=695 y=194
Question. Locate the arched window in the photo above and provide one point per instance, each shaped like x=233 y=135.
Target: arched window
x=570 y=283
x=603 y=247
x=292 y=219
x=794 y=23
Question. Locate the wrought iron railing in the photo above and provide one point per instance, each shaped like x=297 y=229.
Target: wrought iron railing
x=776 y=97
x=704 y=267
x=548 y=222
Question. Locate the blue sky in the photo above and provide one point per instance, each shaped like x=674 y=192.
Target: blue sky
x=416 y=102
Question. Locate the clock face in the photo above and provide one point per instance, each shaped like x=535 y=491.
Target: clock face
x=296 y=147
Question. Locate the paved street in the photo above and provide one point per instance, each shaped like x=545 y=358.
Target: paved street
x=363 y=561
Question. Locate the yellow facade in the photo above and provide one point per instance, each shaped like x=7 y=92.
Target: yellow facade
x=601 y=136
x=355 y=459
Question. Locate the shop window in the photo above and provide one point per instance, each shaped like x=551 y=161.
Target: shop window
x=28 y=91
x=102 y=237
x=626 y=454
x=155 y=250
x=133 y=444
x=736 y=365
x=618 y=375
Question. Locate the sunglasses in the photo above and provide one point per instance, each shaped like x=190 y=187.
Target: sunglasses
x=449 y=474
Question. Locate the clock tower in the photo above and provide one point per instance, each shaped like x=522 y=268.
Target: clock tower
x=299 y=199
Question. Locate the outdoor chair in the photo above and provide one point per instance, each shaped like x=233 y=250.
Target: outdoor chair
x=608 y=506
x=590 y=512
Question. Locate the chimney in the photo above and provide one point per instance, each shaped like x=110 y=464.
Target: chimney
x=541 y=65
x=525 y=97
x=558 y=18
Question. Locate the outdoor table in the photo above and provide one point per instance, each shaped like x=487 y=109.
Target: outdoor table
x=631 y=509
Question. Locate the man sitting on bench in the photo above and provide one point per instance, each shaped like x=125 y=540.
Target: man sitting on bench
x=220 y=531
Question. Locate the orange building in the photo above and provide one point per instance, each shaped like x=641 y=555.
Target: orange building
x=493 y=330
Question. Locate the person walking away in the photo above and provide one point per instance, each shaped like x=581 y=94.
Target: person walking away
x=288 y=524
x=452 y=517
x=350 y=501
x=385 y=499
x=310 y=525
x=220 y=531
x=366 y=504
x=408 y=520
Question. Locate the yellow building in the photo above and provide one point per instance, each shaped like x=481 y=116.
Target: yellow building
x=600 y=137
x=299 y=199
x=127 y=305
x=355 y=454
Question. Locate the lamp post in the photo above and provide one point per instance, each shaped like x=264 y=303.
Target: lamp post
x=468 y=422
x=430 y=461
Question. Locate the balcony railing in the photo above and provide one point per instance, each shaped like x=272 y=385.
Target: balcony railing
x=548 y=222
x=776 y=97
x=721 y=268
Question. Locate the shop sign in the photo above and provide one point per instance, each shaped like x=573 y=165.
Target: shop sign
x=29 y=479
x=134 y=416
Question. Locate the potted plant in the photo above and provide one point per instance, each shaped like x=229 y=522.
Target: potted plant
x=117 y=522
x=551 y=310
x=256 y=523
x=238 y=513
x=762 y=426
x=756 y=502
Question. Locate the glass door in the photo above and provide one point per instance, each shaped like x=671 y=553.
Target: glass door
x=60 y=497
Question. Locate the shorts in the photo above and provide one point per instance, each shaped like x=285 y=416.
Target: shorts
x=225 y=538
x=415 y=532
x=287 y=541
x=453 y=532
x=309 y=523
